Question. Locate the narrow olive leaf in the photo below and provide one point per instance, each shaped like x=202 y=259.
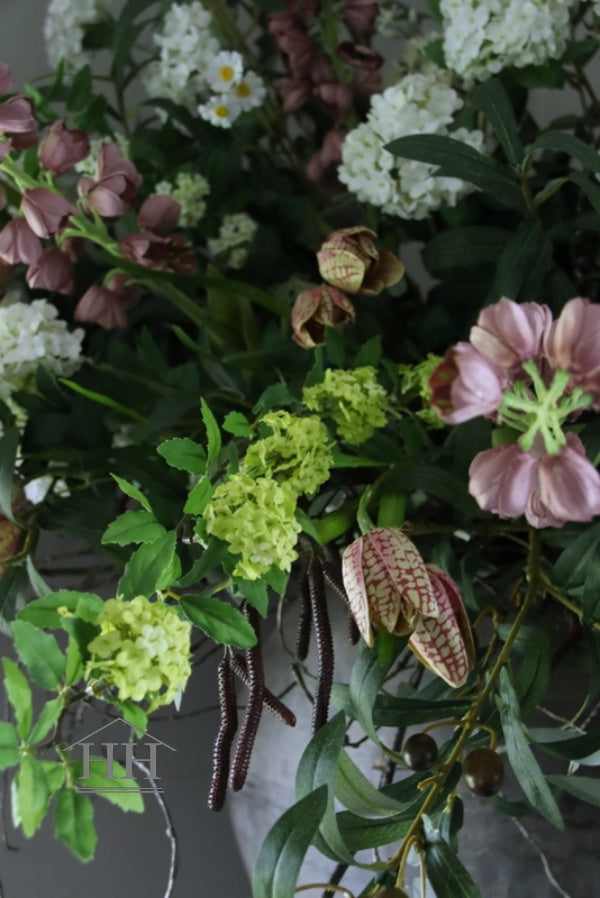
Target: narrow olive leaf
x=573 y=562
x=74 y=823
x=32 y=794
x=40 y=653
x=491 y=98
x=465 y=247
x=18 y=692
x=458 y=160
x=213 y=435
x=219 y=620
x=102 y=399
x=534 y=674
x=360 y=832
x=133 y=527
x=9 y=745
x=390 y=711
x=44 y=612
x=586 y=788
x=184 y=454
x=280 y=858
x=9 y=444
x=151 y=567
x=357 y=793
x=576 y=748
x=316 y=768
x=365 y=681
x=132 y=491
x=573 y=146
x=128 y=798
x=448 y=876
x=526 y=251
x=48 y=717
x=589 y=187
x=522 y=761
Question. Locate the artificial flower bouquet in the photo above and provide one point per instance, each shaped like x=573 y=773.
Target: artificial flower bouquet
x=215 y=369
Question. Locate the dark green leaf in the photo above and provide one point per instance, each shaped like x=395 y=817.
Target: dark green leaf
x=464 y=247
x=492 y=99
x=184 y=454
x=574 y=561
x=534 y=673
x=18 y=692
x=586 y=788
x=9 y=746
x=276 y=394
x=40 y=654
x=48 y=717
x=280 y=858
x=74 y=823
x=14 y=590
x=365 y=832
x=9 y=444
x=237 y=424
x=573 y=146
x=255 y=591
x=213 y=435
x=133 y=527
x=38 y=584
x=527 y=253
x=132 y=491
x=589 y=187
x=81 y=89
x=32 y=795
x=211 y=557
x=392 y=711
x=357 y=793
x=448 y=876
x=152 y=567
x=129 y=799
x=199 y=497
x=574 y=748
x=43 y=612
x=219 y=620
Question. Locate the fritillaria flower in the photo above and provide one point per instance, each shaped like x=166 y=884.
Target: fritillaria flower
x=349 y=260
x=316 y=309
x=62 y=147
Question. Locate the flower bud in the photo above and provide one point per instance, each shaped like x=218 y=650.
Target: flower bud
x=349 y=260
x=61 y=148
x=316 y=309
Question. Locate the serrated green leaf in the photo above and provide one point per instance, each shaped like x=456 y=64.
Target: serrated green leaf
x=151 y=567
x=281 y=855
x=40 y=653
x=237 y=424
x=9 y=745
x=219 y=620
x=74 y=823
x=199 y=497
x=522 y=761
x=43 y=612
x=48 y=717
x=73 y=662
x=448 y=876
x=184 y=454
x=129 y=799
x=255 y=591
x=211 y=557
x=132 y=713
x=32 y=793
x=133 y=527
x=132 y=491
x=18 y=692
x=213 y=435
x=357 y=793
x=9 y=444
x=491 y=98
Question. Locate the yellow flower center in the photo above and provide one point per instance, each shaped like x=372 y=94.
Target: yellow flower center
x=221 y=111
x=226 y=73
x=243 y=89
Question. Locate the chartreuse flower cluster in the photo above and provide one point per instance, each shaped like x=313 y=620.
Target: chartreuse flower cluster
x=254 y=510
x=142 y=651
x=414 y=381
x=354 y=400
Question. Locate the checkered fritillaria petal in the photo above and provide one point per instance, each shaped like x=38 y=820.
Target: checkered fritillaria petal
x=445 y=644
x=354 y=584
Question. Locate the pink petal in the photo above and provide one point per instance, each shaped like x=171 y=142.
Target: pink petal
x=354 y=584
x=569 y=484
x=502 y=479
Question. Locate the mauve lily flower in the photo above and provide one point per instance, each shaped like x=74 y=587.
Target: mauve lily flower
x=160 y=214
x=172 y=253
x=320 y=165
x=52 y=271
x=18 y=243
x=360 y=57
x=508 y=333
x=573 y=344
x=6 y=81
x=62 y=147
x=360 y=17
x=46 y=212
x=466 y=384
x=16 y=115
x=294 y=93
x=107 y=306
x=294 y=41
x=349 y=260
x=114 y=189
x=316 y=309
x=548 y=489
x=338 y=97
x=444 y=644
x=387 y=583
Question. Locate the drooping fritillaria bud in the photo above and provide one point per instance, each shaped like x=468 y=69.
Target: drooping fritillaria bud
x=316 y=309
x=349 y=260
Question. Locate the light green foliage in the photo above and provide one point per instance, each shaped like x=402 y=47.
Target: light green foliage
x=298 y=452
x=256 y=518
x=415 y=380
x=142 y=651
x=353 y=399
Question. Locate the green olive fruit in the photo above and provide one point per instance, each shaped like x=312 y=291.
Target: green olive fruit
x=483 y=771
x=391 y=893
x=420 y=751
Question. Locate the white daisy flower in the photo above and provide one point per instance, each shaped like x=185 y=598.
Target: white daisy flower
x=225 y=71
x=250 y=91
x=220 y=110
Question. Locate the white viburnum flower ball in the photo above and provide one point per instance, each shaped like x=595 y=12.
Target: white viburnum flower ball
x=64 y=30
x=189 y=190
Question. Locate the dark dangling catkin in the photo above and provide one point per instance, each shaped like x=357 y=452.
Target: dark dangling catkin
x=304 y=619
x=271 y=702
x=320 y=616
x=353 y=631
x=225 y=735
x=332 y=571
x=254 y=706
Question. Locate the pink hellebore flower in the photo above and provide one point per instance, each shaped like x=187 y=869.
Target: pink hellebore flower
x=172 y=253
x=349 y=260
x=294 y=92
x=316 y=309
x=46 y=212
x=327 y=157
x=18 y=243
x=573 y=344
x=360 y=57
x=52 y=271
x=160 y=214
x=61 y=148
x=508 y=333
x=114 y=189
x=360 y=16
x=549 y=489
x=106 y=306
x=16 y=115
x=466 y=384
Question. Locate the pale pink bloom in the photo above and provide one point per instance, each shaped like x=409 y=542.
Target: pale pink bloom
x=106 y=306
x=160 y=214
x=569 y=484
x=316 y=309
x=573 y=344
x=293 y=92
x=502 y=479
x=114 y=189
x=172 y=253
x=360 y=17
x=508 y=333
x=349 y=260
x=18 y=243
x=466 y=385
x=46 y=212
x=320 y=165
x=387 y=583
x=444 y=644
x=16 y=115
x=294 y=42
x=62 y=147
x=6 y=81
x=52 y=271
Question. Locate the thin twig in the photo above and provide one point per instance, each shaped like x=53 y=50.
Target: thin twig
x=169 y=828
x=542 y=856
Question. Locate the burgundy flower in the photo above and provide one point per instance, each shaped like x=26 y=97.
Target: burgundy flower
x=338 y=97
x=46 y=212
x=6 y=81
x=52 y=271
x=349 y=260
x=360 y=17
x=18 y=243
x=172 y=253
x=320 y=165
x=114 y=189
x=316 y=309
x=293 y=93
x=107 y=306
x=16 y=115
x=573 y=344
x=61 y=148
x=508 y=333
x=466 y=384
x=294 y=42
x=159 y=214
x=359 y=56
x=305 y=8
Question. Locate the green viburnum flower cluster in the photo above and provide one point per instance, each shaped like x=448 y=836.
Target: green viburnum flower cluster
x=415 y=379
x=355 y=401
x=142 y=647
